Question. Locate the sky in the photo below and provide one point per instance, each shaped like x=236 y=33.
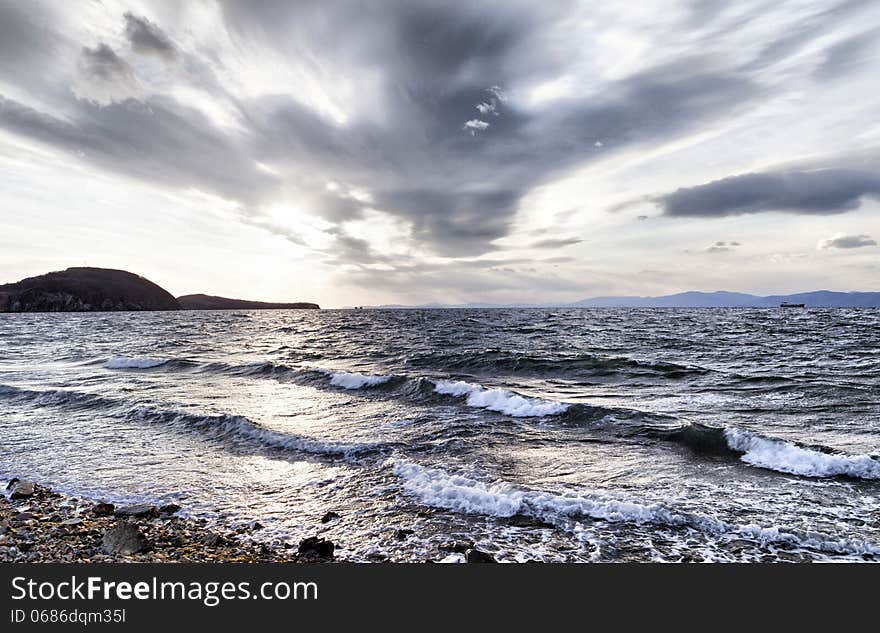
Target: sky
x=354 y=153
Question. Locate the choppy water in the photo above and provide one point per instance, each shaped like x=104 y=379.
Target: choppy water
x=555 y=435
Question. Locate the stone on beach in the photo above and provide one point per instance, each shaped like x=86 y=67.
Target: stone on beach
x=138 y=511
x=103 y=509
x=476 y=556
x=315 y=547
x=20 y=489
x=124 y=538
x=329 y=517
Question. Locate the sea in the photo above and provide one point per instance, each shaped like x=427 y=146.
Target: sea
x=554 y=435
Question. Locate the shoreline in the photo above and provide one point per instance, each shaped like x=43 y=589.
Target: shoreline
x=38 y=525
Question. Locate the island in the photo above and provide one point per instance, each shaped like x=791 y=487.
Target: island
x=85 y=289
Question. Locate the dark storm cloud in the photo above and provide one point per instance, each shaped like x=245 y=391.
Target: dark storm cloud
x=437 y=62
x=848 y=241
x=102 y=64
x=817 y=192
x=159 y=141
x=147 y=38
x=442 y=61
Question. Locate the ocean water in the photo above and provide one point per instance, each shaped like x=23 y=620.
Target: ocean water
x=547 y=434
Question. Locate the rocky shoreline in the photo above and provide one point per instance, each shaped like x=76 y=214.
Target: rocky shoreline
x=38 y=525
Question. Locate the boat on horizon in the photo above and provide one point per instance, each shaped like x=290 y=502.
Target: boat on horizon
x=792 y=305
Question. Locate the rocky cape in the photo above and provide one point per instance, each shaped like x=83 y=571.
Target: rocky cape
x=208 y=302
x=108 y=290
x=85 y=290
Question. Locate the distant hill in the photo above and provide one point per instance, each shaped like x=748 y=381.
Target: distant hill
x=85 y=290
x=718 y=299
x=721 y=299
x=208 y=302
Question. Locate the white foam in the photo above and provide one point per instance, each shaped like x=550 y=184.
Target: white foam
x=356 y=381
x=453 y=559
x=125 y=362
x=785 y=457
x=499 y=400
x=437 y=488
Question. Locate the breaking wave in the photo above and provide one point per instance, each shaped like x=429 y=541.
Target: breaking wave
x=126 y=362
x=788 y=457
x=437 y=488
x=499 y=400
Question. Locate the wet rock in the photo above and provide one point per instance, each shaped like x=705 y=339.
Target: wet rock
x=476 y=556
x=71 y=522
x=457 y=547
x=138 y=511
x=402 y=533
x=213 y=540
x=21 y=489
x=524 y=520
x=124 y=538
x=103 y=509
x=316 y=547
x=23 y=517
x=169 y=508
x=329 y=517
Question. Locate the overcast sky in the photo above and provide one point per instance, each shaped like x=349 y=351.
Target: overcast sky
x=408 y=152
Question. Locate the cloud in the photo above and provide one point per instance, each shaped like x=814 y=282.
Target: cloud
x=104 y=77
x=847 y=241
x=401 y=138
x=475 y=125
x=556 y=242
x=147 y=38
x=721 y=247
x=817 y=192
x=844 y=56
x=158 y=141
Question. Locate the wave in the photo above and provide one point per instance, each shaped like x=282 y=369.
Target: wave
x=127 y=362
x=217 y=427
x=788 y=457
x=437 y=488
x=56 y=397
x=771 y=453
x=499 y=400
x=348 y=380
x=492 y=399
x=226 y=426
x=495 y=360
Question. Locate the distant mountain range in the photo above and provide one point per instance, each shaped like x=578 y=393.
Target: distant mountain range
x=107 y=290
x=722 y=299
x=718 y=299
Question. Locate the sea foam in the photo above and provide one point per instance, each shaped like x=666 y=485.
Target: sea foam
x=126 y=362
x=356 y=381
x=786 y=457
x=437 y=488
x=499 y=400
